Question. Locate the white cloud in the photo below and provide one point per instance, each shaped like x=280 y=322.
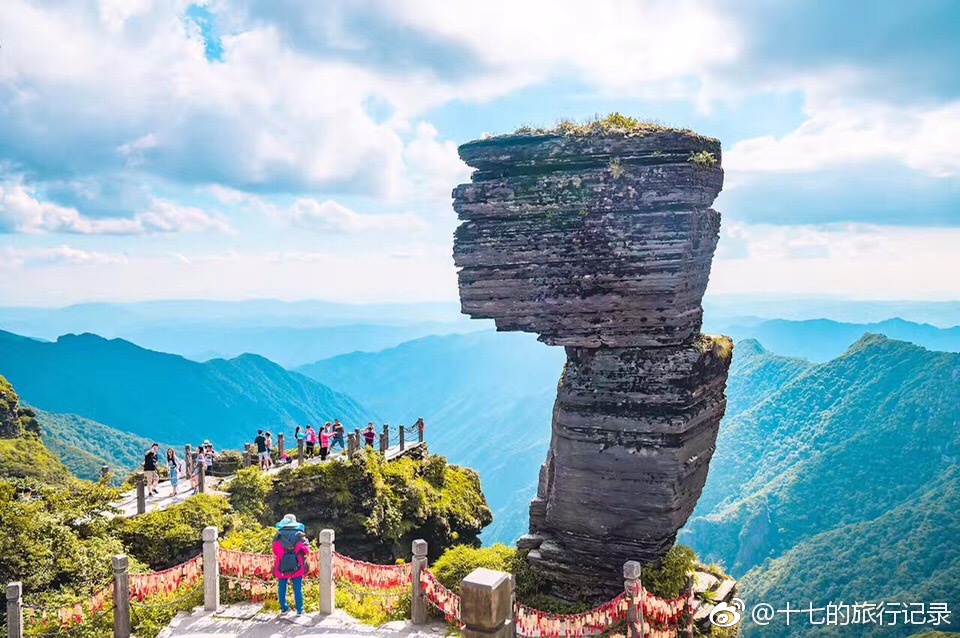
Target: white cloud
x=166 y=217
x=21 y=211
x=626 y=46
x=921 y=138
x=434 y=165
x=60 y=255
x=130 y=83
x=332 y=217
x=849 y=260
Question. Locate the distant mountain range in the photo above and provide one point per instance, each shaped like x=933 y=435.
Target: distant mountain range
x=287 y=333
x=838 y=481
x=152 y=394
x=822 y=339
x=487 y=399
x=834 y=480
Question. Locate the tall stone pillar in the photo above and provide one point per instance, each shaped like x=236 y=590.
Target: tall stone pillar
x=601 y=241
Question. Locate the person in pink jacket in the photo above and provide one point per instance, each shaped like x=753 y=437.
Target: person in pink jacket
x=290 y=551
x=326 y=434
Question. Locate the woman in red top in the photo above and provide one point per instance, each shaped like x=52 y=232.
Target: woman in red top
x=326 y=434
x=290 y=550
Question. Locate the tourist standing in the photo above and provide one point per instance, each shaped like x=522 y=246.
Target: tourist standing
x=369 y=435
x=269 y=438
x=261 y=442
x=173 y=466
x=339 y=433
x=311 y=441
x=290 y=550
x=326 y=434
x=150 y=460
x=209 y=456
x=199 y=464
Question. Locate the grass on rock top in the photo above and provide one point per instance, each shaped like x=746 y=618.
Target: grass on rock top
x=613 y=124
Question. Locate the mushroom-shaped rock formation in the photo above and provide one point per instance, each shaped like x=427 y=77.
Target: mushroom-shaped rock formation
x=601 y=240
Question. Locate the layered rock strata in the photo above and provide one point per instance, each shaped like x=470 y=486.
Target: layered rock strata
x=603 y=244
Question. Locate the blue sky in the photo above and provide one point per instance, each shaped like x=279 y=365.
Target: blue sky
x=275 y=148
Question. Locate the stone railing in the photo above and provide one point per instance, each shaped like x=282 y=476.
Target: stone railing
x=486 y=605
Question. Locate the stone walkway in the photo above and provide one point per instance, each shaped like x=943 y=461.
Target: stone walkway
x=248 y=621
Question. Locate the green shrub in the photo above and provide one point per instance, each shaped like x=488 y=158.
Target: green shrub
x=703 y=159
x=668 y=579
x=248 y=535
x=59 y=532
x=168 y=537
x=434 y=470
x=249 y=492
x=457 y=562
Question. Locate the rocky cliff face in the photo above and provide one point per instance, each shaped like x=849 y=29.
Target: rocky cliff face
x=602 y=243
x=15 y=420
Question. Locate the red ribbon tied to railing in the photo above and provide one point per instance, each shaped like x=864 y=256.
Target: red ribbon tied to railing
x=74 y=614
x=182 y=576
x=533 y=622
x=370 y=575
x=440 y=597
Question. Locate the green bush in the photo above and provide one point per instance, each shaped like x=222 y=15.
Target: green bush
x=457 y=562
x=57 y=535
x=434 y=470
x=168 y=537
x=668 y=579
x=249 y=492
x=248 y=535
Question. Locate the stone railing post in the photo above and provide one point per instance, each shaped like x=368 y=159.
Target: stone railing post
x=418 y=605
x=631 y=586
x=420 y=428
x=211 y=569
x=141 y=493
x=104 y=471
x=280 y=443
x=403 y=437
x=247 y=456
x=351 y=446
x=299 y=452
x=327 y=594
x=486 y=604
x=202 y=477
x=15 y=610
x=385 y=439
x=121 y=597
x=188 y=459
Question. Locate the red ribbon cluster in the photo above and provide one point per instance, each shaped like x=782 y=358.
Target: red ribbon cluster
x=664 y=611
x=183 y=576
x=533 y=622
x=74 y=614
x=440 y=597
x=244 y=565
x=371 y=576
x=662 y=617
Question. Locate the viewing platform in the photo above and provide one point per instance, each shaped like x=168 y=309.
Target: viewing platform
x=391 y=443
